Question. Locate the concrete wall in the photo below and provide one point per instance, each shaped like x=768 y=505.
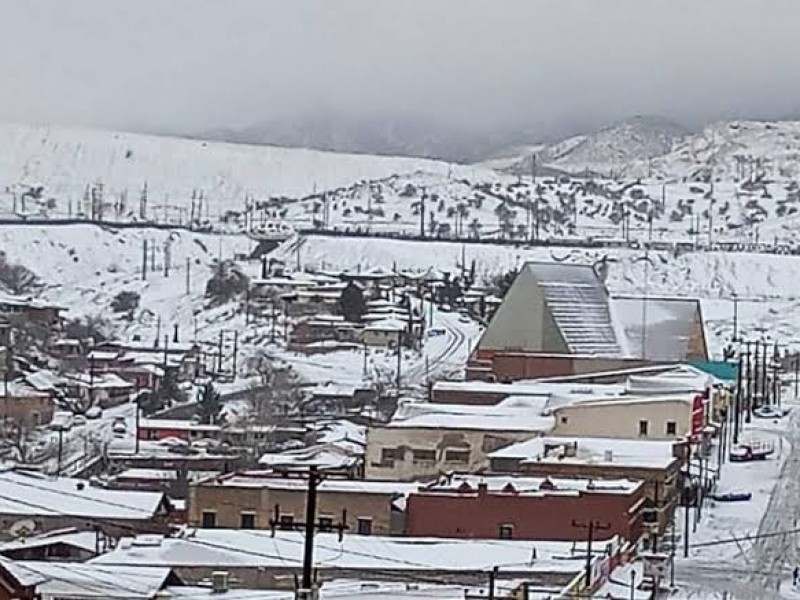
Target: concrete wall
x=480 y=514
x=622 y=420
x=27 y=410
x=444 y=444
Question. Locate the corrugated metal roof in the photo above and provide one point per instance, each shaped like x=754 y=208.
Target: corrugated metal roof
x=657 y=328
x=578 y=301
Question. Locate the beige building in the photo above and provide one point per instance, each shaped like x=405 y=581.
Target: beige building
x=424 y=440
x=641 y=417
x=251 y=500
x=384 y=333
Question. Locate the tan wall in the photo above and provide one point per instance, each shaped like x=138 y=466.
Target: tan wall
x=230 y=502
x=408 y=439
x=622 y=420
x=378 y=338
x=28 y=410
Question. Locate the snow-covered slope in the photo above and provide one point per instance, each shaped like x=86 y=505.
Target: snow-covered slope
x=608 y=150
x=66 y=161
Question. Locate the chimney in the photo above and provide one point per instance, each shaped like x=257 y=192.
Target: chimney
x=219 y=582
x=482 y=488
x=608 y=455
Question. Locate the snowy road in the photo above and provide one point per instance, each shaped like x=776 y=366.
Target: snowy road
x=772 y=556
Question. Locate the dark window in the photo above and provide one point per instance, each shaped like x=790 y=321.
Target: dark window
x=326 y=524
x=506 y=532
x=247 y=520
x=392 y=454
x=364 y=526
x=672 y=428
x=460 y=456
x=209 y=519
x=564 y=420
x=424 y=455
x=642 y=427
x=286 y=522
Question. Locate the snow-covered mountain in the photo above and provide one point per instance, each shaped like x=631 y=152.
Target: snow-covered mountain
x=647 y=147
x=66 y=161
x=609 y=150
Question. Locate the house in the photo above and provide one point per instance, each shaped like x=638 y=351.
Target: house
x=25 y=405
x=559 y=319
x=255 y=499
x=184 y=429
x=657 y=463
x=515 y=507
x=72 y=545
x=22 y=311
x=174 y=454
x=42 y=580
x=36 y=502
x=259 y=559
x=386 y=333
x=103 y=389
x=424 y=440
x=324 y=328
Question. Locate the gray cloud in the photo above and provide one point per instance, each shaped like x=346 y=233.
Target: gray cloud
x=189 y=65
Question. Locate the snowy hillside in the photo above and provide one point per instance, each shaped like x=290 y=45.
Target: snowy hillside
x=767 y=286
x=67 y=161
x=653 y=148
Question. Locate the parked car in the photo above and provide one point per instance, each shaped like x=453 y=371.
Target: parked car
x=119 y=426
x=78 y=420
x=94 y=412
x=436 y=332
x=61 y=421
x=770 y=412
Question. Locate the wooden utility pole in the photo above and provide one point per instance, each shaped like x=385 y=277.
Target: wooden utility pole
x=144 y=260
x=590 y=527
x=311 y=516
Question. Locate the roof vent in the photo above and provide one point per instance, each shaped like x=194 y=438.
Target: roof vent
x=219 y=582
x=80 y=485
x=608 y=455
x=547 y=485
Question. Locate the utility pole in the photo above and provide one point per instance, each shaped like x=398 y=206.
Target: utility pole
x=492 y=581
x=686 y=520
x=735 y=317
x=591 y=526
x=422 y=214
x=144 y=260
x=311 y=516
x=235 y=350
x=737 y=400
x=188 y=276
x=399 y=358
x=60 y=449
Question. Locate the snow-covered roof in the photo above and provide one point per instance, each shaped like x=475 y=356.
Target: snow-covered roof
x=323 y=456
x=268 y=480
x=223 y=548
x=85 y=540
x=531 y=486
x=657 y=329
x=515 y=413
x=99 y=381
x=578 y=301
x=31 y=494
x=650 y=454
x=85 y=580
x=20 y=389
x=44 y=380
x=160 y=474
x=391 y=325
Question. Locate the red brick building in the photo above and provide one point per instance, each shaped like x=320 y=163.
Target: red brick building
x=471 y=506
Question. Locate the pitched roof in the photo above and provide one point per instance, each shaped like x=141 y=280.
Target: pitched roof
x=31 y=494
x=578 y=301
x=657 y=328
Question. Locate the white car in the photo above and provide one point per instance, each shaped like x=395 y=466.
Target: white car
x=119 y=427
x=61 y=421
x=94 y=412
x=79 y=420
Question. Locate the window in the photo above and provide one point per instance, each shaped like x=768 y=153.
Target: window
x=643 y=427
x=392 y=454
x=326 y=523
x=364 y=526
x=247 y=520
x=564 y=420
x=459 y=456
x=506 y=532
x=423 y=455
x=672 y=428
x=286 y=522
x=209 y=519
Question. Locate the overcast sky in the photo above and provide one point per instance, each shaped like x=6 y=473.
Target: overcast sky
x=192 y=65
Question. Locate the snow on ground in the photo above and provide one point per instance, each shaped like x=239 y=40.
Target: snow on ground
x=766 y=285
x=66 y=161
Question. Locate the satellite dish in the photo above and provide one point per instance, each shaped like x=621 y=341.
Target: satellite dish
x=22 y=528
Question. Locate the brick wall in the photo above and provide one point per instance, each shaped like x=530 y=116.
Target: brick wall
x=481 y=514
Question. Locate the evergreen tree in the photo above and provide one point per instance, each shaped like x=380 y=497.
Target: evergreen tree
x=209 y=405
x=351 y=302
